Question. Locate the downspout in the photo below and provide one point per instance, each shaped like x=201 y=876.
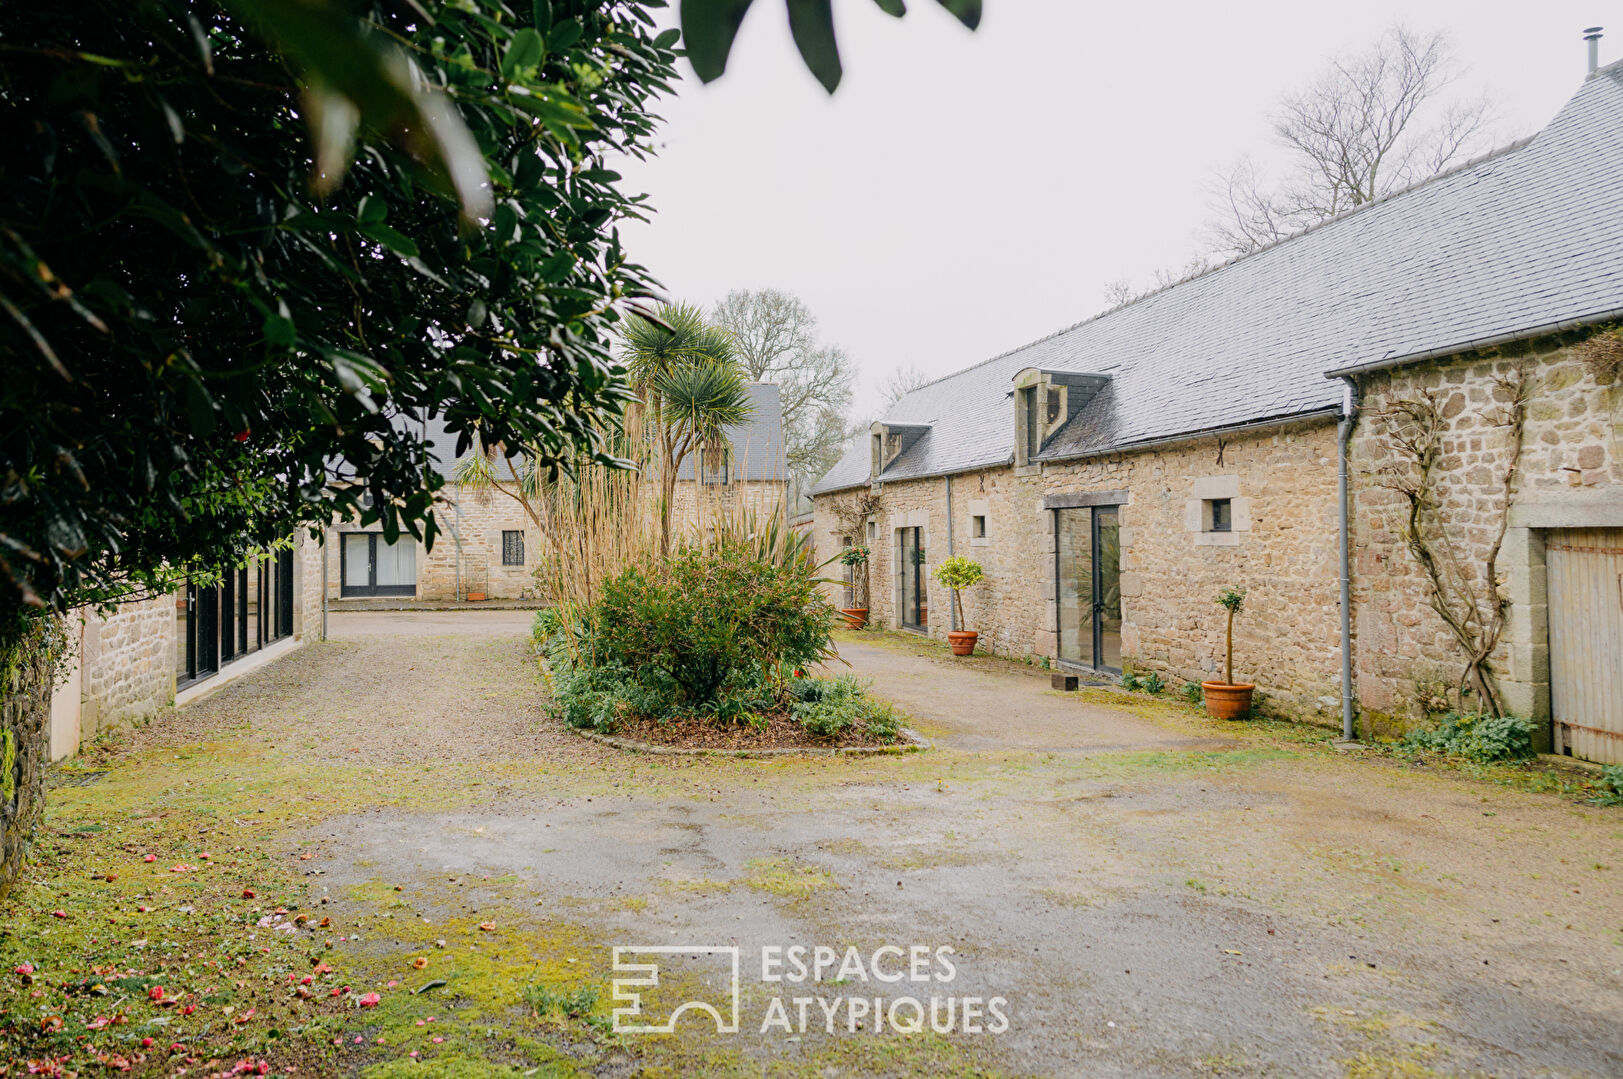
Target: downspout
x=1344 y=430
x=952 y=608
x=324 y=554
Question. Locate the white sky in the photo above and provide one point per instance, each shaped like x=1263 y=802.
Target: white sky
x=963 y=193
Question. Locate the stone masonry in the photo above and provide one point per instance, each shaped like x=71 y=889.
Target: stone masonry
x=1282 y=553
x=1571 y=476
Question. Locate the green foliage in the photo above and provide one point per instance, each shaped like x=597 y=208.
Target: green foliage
x=959 y=573
x=1476 y=736
x=829 y=706
x=705 y=618
x=202 y=352
x=709 y=27
x=854 y=555
x=571 y=1004
x=707 y=630
x=1152 y=683
x=1610 y=787
x=1192 y=692
x=1231 y=600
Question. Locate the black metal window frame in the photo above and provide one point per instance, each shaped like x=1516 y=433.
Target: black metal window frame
x=718 y=475
x=371 y=588
x=512 y=547
x=1096 y=582
x=977 y=526
x=910 y=618
x=219 y=629
x=1220 y=514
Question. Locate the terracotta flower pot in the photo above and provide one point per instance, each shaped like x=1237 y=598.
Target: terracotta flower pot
x=963 y=642
x=1225 y=701
x=476 y=597
x=855 y=617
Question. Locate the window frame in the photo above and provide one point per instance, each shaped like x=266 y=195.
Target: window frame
x=1219 y=515
x=510 y=535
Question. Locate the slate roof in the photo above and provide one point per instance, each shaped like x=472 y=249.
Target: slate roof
x=758 y=452
x=758 y=449
x=1517 y=242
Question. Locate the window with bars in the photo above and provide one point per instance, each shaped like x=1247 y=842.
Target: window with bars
x=513 y=548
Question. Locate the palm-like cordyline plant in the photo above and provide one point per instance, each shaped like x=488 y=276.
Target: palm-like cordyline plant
x=687 y=376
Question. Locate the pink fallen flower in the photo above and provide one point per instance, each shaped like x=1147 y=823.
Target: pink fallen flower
x=370 y=1000
x=25 y=969
x=150 y=858
x=155 y=992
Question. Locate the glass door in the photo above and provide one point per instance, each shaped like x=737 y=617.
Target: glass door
x=915 y=596
x=371 y=567
x=1088 y=586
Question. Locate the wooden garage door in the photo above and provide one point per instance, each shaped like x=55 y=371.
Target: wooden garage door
x=1585 y=575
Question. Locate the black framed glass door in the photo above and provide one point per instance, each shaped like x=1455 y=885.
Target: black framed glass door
x=238 y=613
x=368 y=566
x=915 y=594
x=1087 y=556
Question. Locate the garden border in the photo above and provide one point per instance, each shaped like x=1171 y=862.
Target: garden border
x=914 y=743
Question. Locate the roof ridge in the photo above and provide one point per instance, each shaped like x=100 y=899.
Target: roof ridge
x=1482 y=158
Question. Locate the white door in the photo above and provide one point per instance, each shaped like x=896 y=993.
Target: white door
x=1584 y=575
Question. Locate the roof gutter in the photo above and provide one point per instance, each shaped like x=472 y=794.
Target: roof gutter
x=1543 y=330
x=1193 y=436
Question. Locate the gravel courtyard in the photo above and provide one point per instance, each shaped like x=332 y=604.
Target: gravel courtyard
x=1147 y=891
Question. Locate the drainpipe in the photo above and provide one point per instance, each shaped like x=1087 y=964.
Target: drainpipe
x=952 y=608
x=1344 y=429
x=324 y=553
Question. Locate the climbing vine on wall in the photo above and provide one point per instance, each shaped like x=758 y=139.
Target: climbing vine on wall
x=1463 y=584
x=853 y=518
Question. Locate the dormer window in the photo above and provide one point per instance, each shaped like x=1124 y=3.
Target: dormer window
x=890 y=441
x=1046 y=401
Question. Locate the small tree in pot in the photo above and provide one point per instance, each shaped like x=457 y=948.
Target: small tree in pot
x=855 y=558
x=1229 y=699
x=959 y=573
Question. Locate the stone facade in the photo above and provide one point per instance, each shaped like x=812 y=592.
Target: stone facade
x=1282 y=552
x=1570 y=476
x=467 y=554
x=123 y=665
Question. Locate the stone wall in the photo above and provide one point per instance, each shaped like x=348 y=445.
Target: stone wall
x=1282 y=553
x=127 y=659
x=1571 y=475
x=127 y=667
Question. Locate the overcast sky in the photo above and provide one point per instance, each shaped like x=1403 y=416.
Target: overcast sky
x=963 y=193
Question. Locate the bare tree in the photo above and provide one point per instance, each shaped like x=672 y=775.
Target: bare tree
x=901 y=382
x=775 y=338
x=1372 y=123
x=1123 y=290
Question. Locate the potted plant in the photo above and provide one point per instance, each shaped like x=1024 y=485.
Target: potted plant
x=959 y=573
x=1229 y=699
x=856 y=557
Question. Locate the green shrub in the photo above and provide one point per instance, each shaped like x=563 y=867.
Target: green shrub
x=1192 y=692
x=1130 y=681
x=827 y=707
x=1476 y=736
x=1152 y=683
x=712 y=620
x=1610 y=787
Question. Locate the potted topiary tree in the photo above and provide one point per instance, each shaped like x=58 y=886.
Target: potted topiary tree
x=1229 y=699
x=856 y=557
x=959 y=573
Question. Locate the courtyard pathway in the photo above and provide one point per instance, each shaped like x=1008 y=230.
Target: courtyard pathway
x=1148 y=893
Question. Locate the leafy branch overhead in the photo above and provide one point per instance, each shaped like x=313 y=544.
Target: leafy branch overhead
x=709 y=27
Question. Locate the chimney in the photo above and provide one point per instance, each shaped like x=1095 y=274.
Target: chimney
x=1592 y=35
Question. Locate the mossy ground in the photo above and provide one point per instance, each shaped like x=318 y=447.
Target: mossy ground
x=231 y=798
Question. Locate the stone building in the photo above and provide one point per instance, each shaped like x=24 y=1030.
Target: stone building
x=1113 y=477
x=171 y=649
x=489 y=543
